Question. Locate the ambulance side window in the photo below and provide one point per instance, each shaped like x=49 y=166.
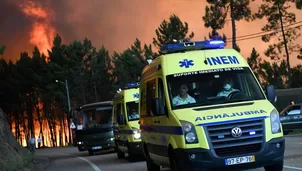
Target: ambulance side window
x=161 y=93
x=142 y=101
x=150 y=96
x=114 y=114
x=120 y=114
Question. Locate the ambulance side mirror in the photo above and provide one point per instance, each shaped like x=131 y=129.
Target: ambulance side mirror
x=271 y=94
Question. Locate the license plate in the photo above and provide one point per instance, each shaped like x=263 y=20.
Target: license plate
x=239 y=160
x=98 y=147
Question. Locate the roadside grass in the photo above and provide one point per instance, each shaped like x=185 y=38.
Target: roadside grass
x=17 y=161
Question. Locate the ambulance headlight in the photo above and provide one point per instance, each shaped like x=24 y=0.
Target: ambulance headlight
x=189 y=132
x=275 y=122
x=190 y=137
x=136 y=133
x=187 y=127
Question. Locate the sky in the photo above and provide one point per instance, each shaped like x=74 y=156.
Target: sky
x=115 y=23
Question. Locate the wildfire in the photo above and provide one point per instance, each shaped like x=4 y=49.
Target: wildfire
x=42 y=32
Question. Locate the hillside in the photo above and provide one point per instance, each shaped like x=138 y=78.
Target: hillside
x=12 y=155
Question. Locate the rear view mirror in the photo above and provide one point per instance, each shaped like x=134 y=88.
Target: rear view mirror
x=271 y=94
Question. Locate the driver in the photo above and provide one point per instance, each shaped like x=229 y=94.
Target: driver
x=133 y=114
x=227 y=88
x=183 y=97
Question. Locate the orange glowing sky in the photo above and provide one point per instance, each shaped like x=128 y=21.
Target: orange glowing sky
x=117 y=23
x=42 y=31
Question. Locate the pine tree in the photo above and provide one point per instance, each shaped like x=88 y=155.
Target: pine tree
x=218 y=11
x=254 y=62
x=171 y=30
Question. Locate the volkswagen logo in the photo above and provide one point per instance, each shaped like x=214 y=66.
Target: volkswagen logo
x=236 y=132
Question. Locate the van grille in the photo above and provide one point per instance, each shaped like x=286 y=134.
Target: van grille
x=224 y=144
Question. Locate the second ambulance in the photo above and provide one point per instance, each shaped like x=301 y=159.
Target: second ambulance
x=202 y=108
x=125 y=122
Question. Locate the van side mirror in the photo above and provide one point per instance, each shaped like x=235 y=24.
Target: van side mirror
x=271 y=93
x=157 y=109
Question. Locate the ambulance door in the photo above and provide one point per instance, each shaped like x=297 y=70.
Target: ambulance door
x=150 y=120
x=121 y=120
x=163 y=128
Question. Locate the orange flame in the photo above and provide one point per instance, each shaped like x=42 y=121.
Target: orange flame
x=43 y=32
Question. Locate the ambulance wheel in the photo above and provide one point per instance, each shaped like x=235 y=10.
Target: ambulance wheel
x=150 y=165
x=173 y=161
x=131 y=156
x=275 y=167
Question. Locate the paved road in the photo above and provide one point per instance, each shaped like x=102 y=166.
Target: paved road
x=63 y=159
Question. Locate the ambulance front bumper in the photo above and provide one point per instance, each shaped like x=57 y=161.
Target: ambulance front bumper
x=202 y=159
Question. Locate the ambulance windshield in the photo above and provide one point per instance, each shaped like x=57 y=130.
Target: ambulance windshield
x=210 y=87
x=132 y=110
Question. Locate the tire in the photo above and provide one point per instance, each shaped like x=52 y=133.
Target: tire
x=90 y=152
x=150 y=165
x=173 y=161
x=120 y=155
x=275 y=167
x=131 y=156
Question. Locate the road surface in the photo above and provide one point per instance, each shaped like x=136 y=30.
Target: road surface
x=69 y=158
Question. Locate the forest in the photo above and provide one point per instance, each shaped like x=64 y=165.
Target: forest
x=33 y=93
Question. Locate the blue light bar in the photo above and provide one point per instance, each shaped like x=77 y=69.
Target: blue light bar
x=220 y=136
x=252 y=132
x=132 y=85
x=207 y=44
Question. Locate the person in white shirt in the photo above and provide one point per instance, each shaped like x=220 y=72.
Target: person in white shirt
x=183 y=97
x=39 y=142
x=227 y=88
x=32 y=142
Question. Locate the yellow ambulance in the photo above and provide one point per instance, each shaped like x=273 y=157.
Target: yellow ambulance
x=202 y=108
x=125 y=122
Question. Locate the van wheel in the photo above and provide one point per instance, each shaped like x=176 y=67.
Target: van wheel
x=275 y=167
x=150 y=165
x=120 y=155
x=173 y=161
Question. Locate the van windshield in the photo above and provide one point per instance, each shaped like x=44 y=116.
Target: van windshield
x=132 y=110
x=100 y=117
x=210 y=87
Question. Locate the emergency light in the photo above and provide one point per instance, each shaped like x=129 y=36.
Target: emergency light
x=179 y=47
x=131 y=85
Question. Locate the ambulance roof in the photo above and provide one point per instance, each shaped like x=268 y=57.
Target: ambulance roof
x=195 y=59
x=129 y=93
